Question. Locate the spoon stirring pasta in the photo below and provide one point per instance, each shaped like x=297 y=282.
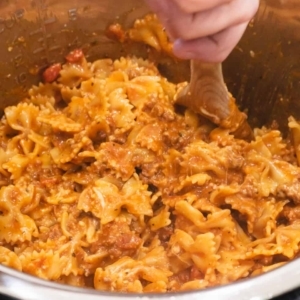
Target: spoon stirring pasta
x=207 y=95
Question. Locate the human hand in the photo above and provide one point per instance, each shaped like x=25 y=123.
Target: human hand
x=206 y=30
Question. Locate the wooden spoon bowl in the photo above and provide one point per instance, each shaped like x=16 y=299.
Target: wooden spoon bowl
x=207 y=95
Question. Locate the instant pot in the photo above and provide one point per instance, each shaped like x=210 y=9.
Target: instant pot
x=263 y=73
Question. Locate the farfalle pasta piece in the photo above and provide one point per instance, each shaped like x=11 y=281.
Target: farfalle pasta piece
x=89 y=227
x=196 y=179
x=291 y=189
x=267 y=214
x=234 y=272
x=61 y=195
x=38 y=140
x=44 y=93
x=269 y=174
x=117 y=158
x=55 y=264
x=162 y=219
x=5 y=156
x=150 y=137
x=42 y=101
x=68 y=93
x=50 y=90
x=92 y=88
x=202 y=251
x=171 y=168
x=125 y=274
x=78 y=110
x=22 y=117
x=78 y=281
x=16 y=165
x=288 y=237
x=274 y=141
x=69 y=150
x=72 y=74
x=201 y=157
x=121 y=110
x=135 y=67
x=202 y=204
x=264 y=250
x=220 y=219
x=194 y=285
x=10 y=259
x=140 y=88
x=172 y=201
x=137 y=198
x=150 y=31
x=266 y=269
x=266 y=247
x=116 y=82
x=219 y=196
x=14 y=225
x=102 y=200
x=269 y=144
x=102 y=68
x=59 y=121
x=105 y=200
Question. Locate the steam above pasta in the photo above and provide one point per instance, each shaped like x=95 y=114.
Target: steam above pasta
x=105 y=184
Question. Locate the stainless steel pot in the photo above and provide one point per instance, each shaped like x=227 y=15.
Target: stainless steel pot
x=263 y=72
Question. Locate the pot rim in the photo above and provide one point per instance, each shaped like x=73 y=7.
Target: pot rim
x=265 y=286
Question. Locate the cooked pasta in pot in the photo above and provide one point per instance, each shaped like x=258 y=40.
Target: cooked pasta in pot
x=105 y=183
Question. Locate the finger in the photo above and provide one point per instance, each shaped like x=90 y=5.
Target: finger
x=193 y=6
x=192 y=26
x=160 y=7
x=211 y=49
x=186 y=6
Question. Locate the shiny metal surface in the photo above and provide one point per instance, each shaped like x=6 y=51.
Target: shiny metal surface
x=267 y=286
x=263 y=73
x=36 y=33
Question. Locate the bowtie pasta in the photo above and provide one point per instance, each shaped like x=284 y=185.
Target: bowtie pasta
x=105 y=183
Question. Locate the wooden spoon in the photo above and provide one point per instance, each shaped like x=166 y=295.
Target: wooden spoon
x=207 y=95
